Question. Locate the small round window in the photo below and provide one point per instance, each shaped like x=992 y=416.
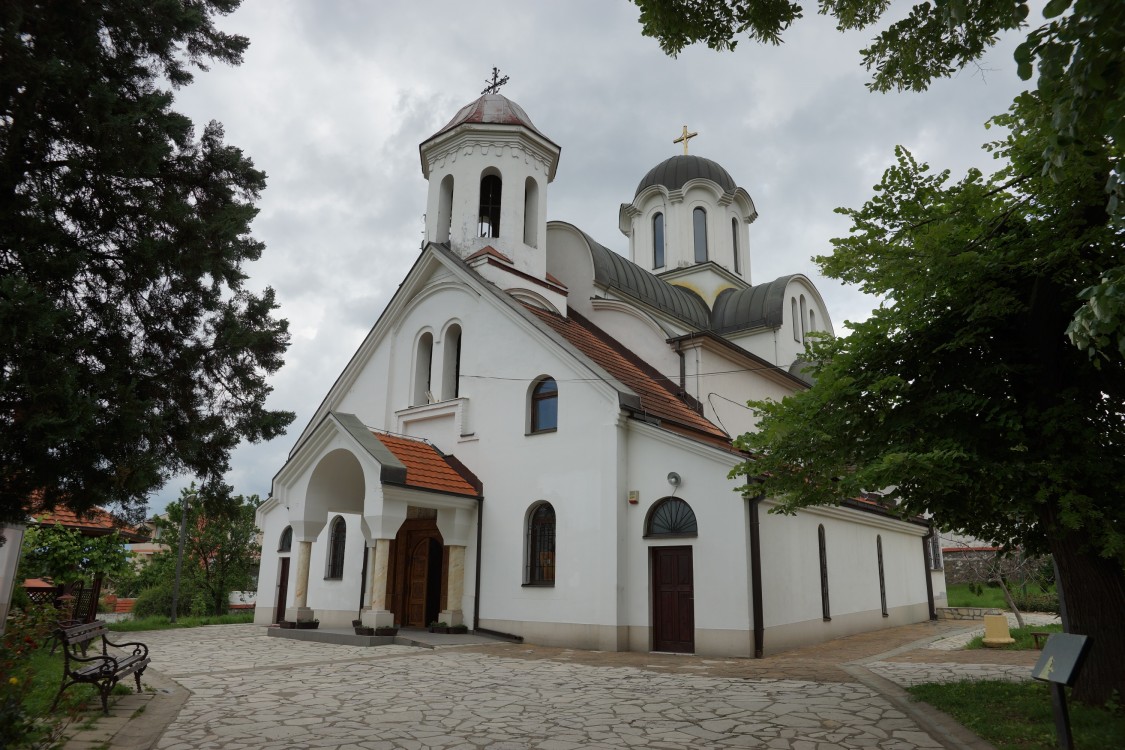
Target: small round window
x=671 y=517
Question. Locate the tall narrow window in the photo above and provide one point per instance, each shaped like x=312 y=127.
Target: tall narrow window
x=545 y=406
x=803 y=329
x=699 y=227
x=451 y=363
x=882 y=581
x=336 y=538
x=541 y=546
x=488 y=222
x=796 y=320
x=812 y=320
x=658 y=241
x=823 y=573
x=286 y=543
x=734 y=243
x=530 y=212
x=422 y=364
x=445 y=209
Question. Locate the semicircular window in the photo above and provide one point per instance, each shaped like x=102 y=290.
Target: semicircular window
x=286 y=543
x=671 y=517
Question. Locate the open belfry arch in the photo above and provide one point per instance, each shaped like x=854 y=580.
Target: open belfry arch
x=535 y=438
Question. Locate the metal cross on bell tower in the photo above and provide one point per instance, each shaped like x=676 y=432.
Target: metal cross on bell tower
x=496 y=83
x=684 y=138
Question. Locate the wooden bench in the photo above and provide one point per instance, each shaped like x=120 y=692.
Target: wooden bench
x=1039 y=639
x=103 y=670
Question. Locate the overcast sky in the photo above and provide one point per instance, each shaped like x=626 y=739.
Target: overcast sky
x=334 y=96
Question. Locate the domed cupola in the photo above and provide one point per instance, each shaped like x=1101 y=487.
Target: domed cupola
x=688 y=223
x=488 y=170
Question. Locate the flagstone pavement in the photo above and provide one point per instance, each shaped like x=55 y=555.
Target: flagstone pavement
x=232 y=687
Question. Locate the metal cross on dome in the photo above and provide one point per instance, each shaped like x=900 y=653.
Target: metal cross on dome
x=497 y=82
x=684 y=138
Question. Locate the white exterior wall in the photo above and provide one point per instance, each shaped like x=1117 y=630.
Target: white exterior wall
x=791 y=600
x=708 y=371
x=271 y=519
x=720 y=557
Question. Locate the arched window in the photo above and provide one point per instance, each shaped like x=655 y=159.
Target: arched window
x=658 y=241
x=422 y=364
x=671 y=517
x=734 y=243
x=882 y=581
x=451 y=363
x=285 y=544
x=545 y=406
x=803 y=329
x=812 y=320
x=530 y=212
x=699 y=228
x=445 y=209
x=796 y=320
x=336 y=538
x=488 y=222
x=541 y=546
x=823 y=573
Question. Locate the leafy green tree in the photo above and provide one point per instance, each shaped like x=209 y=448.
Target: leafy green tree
x=1078 y=51
x=961 y=393
x=130 y=347
x=222 y=547
x=64 y=556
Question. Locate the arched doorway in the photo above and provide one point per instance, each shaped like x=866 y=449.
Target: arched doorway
x=418 y=573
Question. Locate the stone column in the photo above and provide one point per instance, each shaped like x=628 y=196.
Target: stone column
x=376 y=614
x=455 y=586
x=300 y=609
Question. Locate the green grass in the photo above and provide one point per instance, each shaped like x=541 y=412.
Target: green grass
x=1024 y=641
x=46 y=677
x=961 y=596
x=1017 y=716
x=163 y=623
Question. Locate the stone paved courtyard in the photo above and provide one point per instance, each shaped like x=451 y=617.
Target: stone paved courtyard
x=251 y=691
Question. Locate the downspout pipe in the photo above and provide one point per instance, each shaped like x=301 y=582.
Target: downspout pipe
x=756 y=571
x=927 y=566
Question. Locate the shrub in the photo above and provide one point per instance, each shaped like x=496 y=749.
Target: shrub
x=1036 y=601
x=25 y=633
x=157 y=601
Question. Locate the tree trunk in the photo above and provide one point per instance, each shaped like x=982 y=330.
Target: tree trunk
x=1094 y=589
x=1008 y=598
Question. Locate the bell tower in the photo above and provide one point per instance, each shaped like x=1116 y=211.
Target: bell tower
x=488 y=170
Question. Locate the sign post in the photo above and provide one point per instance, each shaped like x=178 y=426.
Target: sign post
x=1059 y=665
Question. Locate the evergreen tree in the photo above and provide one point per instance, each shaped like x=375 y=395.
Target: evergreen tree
x=130 y=346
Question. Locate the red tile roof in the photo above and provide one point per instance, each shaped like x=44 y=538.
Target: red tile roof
x=427 y=468
x=658 y=394
x=488 y=251
x=95 y=522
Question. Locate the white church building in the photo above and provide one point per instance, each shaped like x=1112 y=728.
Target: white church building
x=535 y=437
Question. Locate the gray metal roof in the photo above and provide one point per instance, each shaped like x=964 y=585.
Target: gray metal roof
x=674 y=173
x=753 y=307
x=613 y=270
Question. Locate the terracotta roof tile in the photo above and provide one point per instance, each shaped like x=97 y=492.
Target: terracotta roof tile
x=488 y=251
x=95 y=522
x=427 y=468
x=657 y=393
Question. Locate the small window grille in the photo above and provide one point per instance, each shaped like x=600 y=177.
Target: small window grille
x=671 y=517
x=337 y=537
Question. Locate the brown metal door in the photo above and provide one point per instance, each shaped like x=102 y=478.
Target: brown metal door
x=282 y=590
x=673 y=600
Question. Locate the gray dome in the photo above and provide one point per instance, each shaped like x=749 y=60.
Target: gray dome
x=752 y=307
x=675 y=172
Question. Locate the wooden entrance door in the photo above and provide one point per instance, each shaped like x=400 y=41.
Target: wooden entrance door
x=420 y=584
x=282 y=590
x=673 y=600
